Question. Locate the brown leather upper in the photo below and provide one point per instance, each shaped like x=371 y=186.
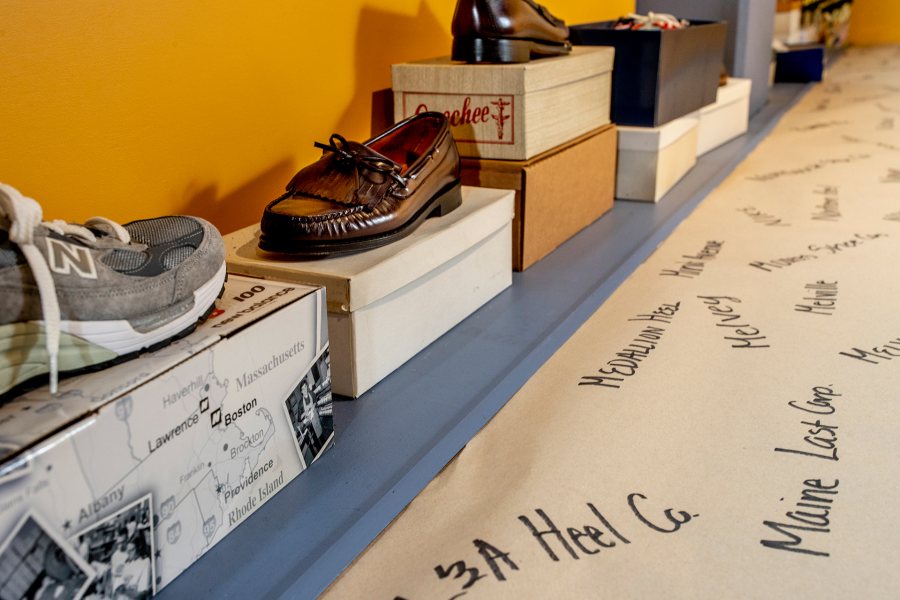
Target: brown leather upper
x=517 y=19
x=362 y=189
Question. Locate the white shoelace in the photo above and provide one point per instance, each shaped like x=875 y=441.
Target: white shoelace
x=25 y=217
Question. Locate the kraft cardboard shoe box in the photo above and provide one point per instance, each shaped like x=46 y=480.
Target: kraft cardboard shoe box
x=511 y=111
x=387 y=304
x=128 y=475
x=558 y=193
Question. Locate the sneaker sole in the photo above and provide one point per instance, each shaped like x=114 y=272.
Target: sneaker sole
x=87 y=346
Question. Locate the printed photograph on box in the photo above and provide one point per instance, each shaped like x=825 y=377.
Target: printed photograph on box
x=309 y=410
x=36 y=563
x=120 y=550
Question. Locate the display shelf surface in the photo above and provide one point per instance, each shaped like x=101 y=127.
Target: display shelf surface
x=394 y=439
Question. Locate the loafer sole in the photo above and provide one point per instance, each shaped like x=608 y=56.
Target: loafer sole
x=504 y=50
x=442 y=203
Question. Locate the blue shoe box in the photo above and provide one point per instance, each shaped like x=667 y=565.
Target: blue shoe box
x=800 y=64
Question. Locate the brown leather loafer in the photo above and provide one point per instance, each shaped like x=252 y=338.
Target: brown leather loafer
x=360 y=196
x=506 y=31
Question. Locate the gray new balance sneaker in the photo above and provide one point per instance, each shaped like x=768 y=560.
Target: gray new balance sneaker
x=81 y=297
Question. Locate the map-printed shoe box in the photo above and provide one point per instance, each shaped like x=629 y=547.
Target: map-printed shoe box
x=387 y=304
x=118 y=483
x=512 y=111
x=579 y=176
x=725 y=119
x=653 y=159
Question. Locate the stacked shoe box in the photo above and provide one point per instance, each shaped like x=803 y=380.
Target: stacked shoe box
x=147 y=405
x=540 y=128
x=748 y=58
x=802 y=31
x=660 y=77
x=388 y=303
x=125 y=477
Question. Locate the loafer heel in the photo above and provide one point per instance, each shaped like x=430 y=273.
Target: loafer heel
x=449 y=201
x=491 y=50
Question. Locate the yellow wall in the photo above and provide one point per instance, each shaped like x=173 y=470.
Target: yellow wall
x=147 y=107
x=875 y=22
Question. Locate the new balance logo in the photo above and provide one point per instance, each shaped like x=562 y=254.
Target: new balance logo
x=66 y=258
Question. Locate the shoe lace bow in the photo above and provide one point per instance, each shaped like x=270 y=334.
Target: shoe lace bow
x=358 y=155
x=25 y=216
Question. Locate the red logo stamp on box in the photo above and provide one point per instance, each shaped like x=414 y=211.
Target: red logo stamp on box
x=474 y=118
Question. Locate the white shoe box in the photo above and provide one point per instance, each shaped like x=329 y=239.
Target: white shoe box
x=725 y=119
x=387 y=304
x=135 y=471
x=653 y=159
